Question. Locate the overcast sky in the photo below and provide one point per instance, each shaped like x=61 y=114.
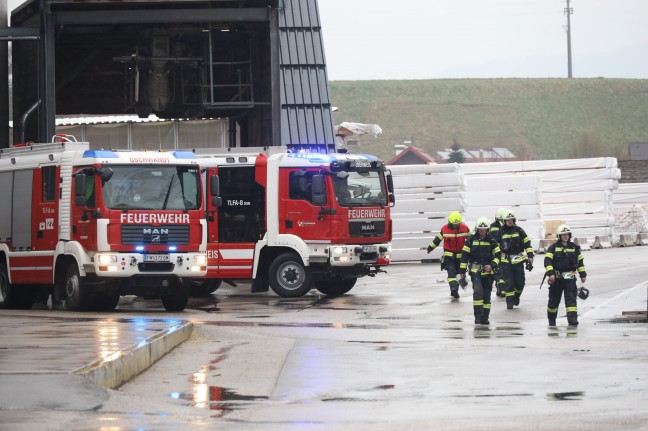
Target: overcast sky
x=421 y=39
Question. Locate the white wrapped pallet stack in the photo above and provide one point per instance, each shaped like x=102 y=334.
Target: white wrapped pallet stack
x=522 y=194
x=425 y=195
x=630 y=209
x=576 y=191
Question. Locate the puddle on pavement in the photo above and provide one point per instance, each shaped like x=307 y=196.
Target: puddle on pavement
x=205 y=396
x=565 y=396
x=491 y=395
x=292 y=325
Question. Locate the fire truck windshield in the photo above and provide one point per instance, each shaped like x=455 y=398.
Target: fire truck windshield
x=360 y=189
x=153 y=188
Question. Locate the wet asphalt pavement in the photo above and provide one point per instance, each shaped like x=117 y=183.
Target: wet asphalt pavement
x=396 y=353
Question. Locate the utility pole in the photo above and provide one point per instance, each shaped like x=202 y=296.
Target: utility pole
x=4 y=80
x=569 y=11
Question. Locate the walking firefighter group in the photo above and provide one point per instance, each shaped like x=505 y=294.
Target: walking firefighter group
x=499 y=252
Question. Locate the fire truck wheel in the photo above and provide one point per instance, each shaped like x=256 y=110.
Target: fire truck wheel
x=106 y=301
x=177 y=299
x=288 y=276
x=204 y=287
x=14 y=297
x=77 y=296
x=335 y=287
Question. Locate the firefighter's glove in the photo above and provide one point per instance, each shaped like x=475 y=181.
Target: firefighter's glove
x=462 y=281
x=429 y=249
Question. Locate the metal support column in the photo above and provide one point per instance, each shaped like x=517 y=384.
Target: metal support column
x=4 y=81
x=47 y=114
x=275 y=77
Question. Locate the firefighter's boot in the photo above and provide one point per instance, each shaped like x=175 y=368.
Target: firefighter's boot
x=572 y=318
x=454 y=292
x=485 y=314
x=478 y=309
x=551 y=316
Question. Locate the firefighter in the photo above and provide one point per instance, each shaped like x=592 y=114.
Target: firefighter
x=454 y=236
x=500 y=282
x=480 y=256
x=562 y=260
x=516 y=249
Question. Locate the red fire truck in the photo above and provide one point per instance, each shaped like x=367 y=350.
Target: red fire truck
x=92 y=225
x=294 y=221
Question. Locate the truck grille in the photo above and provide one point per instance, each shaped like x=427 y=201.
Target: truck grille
x=155 y=267
x=362 y=229
x=147 y=234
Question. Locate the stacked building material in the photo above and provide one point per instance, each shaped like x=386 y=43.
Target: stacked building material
x=578 y=191
x=630 y=209
x=425 y=195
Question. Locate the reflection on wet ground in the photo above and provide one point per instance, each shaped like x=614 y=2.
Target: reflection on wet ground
x=34 y=344
x=566 y=396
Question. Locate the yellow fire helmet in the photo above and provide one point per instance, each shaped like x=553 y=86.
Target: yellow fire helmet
x=454 y=218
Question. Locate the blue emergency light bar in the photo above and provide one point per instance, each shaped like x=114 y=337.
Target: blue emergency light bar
x=96 y=154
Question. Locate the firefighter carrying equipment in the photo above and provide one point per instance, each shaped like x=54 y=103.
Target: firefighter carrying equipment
x=514 y=242
x=453 y=240
x=583 y=293
x=454 y=218
x=562 y=229
x=563 y=260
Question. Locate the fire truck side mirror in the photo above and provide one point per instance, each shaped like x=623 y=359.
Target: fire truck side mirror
x=318 y=190
x=214 y=185
x=390 y=183
x=106 y=174
x=80 y=189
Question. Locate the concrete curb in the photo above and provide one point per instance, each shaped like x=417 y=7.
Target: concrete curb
x=118 y=368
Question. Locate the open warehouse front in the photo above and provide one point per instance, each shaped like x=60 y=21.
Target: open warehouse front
x=257 y=63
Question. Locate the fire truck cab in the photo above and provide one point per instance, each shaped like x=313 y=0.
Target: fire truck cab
x=293 y=221
x=91 y=225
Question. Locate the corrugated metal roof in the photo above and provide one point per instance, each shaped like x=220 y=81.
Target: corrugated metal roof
x=306 y=116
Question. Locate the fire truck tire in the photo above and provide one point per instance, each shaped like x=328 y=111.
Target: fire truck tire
x=21 y=297
x=77 y=296
x=288 y=276
x=335 y=287
x=177 y=299
x=204 y=287
x=106 y=301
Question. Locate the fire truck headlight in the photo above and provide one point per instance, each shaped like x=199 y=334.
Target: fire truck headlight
x=113 y=268
x=201 y=259
x=197 y=268
x=105 y=259
x=339 y=250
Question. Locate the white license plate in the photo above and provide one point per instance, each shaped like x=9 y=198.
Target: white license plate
x=369 y=249
x=156 y=258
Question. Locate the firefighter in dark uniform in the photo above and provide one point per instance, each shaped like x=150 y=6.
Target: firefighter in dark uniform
x=500 y=282
x=562 y=261
x=516 y=250
x=454 y=236
x=480 y=255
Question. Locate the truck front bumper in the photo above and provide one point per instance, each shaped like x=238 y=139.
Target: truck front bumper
x=352 y=255
x=124 y=265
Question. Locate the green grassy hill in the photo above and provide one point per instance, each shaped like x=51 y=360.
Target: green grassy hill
x=535 y=118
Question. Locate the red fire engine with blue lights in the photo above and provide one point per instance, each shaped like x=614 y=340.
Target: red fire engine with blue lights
x=294 y=221
x=91 y=225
